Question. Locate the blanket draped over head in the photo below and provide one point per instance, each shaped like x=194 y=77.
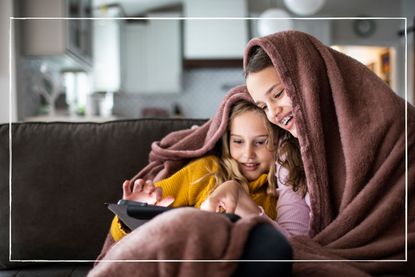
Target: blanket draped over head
x=351 y=129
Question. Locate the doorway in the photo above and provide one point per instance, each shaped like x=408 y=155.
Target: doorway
x=379 y=59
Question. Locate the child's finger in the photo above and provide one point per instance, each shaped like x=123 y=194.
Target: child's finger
x=148 y=187
x=138 y=185
x=166 y=201
x=126 y=188
x=158 y=192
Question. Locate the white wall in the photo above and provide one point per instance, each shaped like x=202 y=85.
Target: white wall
x=106 y=54
x=201 y=37
x=6 y=10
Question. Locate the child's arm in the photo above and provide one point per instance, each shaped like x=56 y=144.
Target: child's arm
x=293 y=217
x=293 y=213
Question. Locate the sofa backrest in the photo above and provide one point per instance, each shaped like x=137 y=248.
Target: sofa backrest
x=62 y=174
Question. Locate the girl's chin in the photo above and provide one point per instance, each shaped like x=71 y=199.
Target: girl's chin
x=290 y=128
x=294 y=132
x=251 y=176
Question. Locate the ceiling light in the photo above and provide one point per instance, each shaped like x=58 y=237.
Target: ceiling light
x=274 y=20
x=302 y=7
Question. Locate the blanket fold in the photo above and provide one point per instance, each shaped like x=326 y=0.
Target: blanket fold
x=175 y=239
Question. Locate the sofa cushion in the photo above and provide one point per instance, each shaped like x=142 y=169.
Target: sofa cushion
x=62 y=174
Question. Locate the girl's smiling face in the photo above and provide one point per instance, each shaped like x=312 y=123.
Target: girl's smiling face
x=268 y=92
x=248 y=143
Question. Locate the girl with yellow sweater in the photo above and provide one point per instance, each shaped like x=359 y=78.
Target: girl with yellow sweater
x=247 y=160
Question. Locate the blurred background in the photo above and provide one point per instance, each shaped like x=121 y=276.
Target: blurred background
x=98 y=60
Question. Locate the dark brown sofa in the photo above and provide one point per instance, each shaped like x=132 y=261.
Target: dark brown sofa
x=62 y=174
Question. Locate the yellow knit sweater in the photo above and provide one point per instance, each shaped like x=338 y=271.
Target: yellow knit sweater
x=192 y=184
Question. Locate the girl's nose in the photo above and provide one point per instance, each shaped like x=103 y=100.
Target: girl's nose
x=249 y=151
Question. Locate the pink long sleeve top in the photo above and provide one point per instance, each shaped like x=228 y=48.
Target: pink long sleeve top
x=293 y=211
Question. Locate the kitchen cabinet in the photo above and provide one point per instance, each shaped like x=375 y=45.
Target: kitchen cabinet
x=151 y=57
x=69 y=40
x=215 y=38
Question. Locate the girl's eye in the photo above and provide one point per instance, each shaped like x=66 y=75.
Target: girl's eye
x=237 y=141
x=260 y=142
x=279 y=93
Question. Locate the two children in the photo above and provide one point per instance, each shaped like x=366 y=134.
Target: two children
x=247 y=161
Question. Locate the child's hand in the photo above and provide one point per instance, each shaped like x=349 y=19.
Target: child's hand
x=223 y=198
x=145 y=191
x=231 y=198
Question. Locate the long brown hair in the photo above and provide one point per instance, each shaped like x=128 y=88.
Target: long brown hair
x=288 y=154
x=229 y=169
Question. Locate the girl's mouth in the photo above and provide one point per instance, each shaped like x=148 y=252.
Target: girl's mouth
x=250 y=166
x=286 y=119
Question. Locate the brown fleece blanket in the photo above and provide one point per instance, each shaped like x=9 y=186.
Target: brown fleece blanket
x=351 y=129
x=180 y=234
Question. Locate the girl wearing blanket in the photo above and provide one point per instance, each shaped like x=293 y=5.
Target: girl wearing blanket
x=349 y=127
x=247 y=161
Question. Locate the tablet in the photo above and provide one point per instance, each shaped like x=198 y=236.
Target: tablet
x=134 y=214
